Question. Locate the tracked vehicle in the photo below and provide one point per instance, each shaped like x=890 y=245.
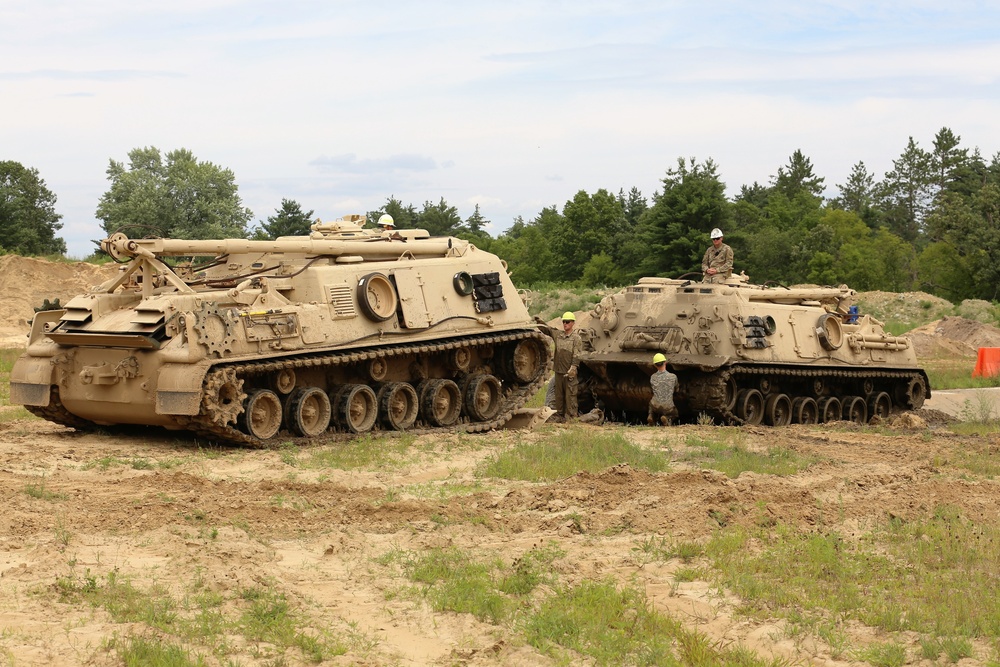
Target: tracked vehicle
x=342 y=331
x=746 y=353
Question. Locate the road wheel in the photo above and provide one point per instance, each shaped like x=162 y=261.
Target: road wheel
x=880 y=405
x=261 y=417
x=308 y=411
x=750 y=406
x=483 y=397
x=855 y=410
x=778 y=410
x=830 y=409
x=356 y=408
x=805 y=410
x=398 y=405
x=440 y=402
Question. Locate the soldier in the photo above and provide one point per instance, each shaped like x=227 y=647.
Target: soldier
x=661 y=407
x=568 y=348
x=717 y=264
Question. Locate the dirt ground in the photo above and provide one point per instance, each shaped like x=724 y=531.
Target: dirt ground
x=163 y=509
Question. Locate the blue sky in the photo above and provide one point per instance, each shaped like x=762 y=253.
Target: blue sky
x=512 y=105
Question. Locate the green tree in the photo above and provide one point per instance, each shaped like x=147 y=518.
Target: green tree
x=28 y=218
x=289 y=220
x=172 y=196
x=906 y=192
x=589 y=223
x=798 y=177
x=439 y=219
x=677 y=225
x=859 y=195
x=403 y=216
x=526 y=248
x=474 y=230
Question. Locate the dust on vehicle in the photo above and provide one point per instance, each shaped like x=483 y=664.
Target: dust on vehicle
x=746 y=353
x=342 y=331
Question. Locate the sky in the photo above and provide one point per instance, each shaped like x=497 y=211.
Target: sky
x=513 y=105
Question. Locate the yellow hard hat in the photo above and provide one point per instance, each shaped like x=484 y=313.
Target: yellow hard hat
x=658 y=358
x=568 y=316
x=386 y=221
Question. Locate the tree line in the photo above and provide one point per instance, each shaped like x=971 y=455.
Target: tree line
x=930 y=223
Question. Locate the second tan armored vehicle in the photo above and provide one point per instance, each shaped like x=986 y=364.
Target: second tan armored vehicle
x=341 y=331
x=746 y=353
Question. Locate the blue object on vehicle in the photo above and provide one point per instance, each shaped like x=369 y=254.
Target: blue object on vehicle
x=852 y=315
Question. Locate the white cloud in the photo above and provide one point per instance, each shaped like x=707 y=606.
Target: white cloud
x=514 y=106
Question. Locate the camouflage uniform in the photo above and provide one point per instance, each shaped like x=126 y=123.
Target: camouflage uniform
x=720 y=259
x=568 y=349
x=662 y=407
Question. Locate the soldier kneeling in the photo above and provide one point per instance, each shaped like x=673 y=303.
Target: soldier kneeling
x=663 y=382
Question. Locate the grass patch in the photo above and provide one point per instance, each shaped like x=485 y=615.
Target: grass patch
x=366 y=452
x=451 y=580
x=935 y=576
x=731 y=457
x=615 y=625
x=568 y=452
x=955 y=373
x=610 y=625
x=263 y=617
x=139 y=651
x=41 y=492
x=134 y=462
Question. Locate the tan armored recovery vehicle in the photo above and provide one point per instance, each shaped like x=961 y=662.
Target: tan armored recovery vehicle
x=341 y=331
x=746 y=353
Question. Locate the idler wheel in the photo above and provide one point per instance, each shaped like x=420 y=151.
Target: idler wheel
x=308 y=411
x=483 y=397
x=526 y=361
x=398 y=405
x=261 y=416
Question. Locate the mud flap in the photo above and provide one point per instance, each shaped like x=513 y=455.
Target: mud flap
x=179 y=389
x=30 y=381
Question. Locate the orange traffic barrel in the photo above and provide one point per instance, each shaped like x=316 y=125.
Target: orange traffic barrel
x=987 y=363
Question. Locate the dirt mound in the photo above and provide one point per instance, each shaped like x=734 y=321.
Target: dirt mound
x=910 y=309
x=25 y=282
x=953 y=337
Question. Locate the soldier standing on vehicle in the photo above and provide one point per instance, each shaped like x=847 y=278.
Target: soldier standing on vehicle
x=717 y=264
x=569 y=345
x=661 y=407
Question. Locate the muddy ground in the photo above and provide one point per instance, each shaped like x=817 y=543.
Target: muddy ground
x=161 y=509
x=168 y=513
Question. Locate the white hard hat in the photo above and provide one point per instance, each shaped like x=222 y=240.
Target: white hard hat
x=386 y=221
x=716 y=233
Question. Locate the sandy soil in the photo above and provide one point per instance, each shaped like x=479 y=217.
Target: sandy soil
x=163 y=510
x=156 y=508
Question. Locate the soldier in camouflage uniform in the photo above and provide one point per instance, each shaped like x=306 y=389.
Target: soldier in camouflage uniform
x=569 y=345
x=717 y=264
x=661 y=408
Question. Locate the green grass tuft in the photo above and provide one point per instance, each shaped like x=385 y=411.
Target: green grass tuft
x=568 y=452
